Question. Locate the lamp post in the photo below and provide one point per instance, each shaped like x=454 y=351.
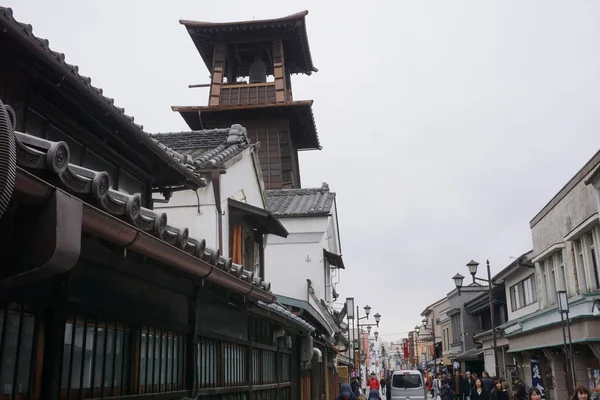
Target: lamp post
x=350 y=316
x=425 y=321
x=458 y=282
x=563 y=308
x=377 y=317
x=418 y=330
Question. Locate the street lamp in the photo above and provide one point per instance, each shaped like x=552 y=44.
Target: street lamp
x=425 y=323
x=376 y=334
x=350 y=316
x=367 y=309
x=563 y=308
x=458 y=281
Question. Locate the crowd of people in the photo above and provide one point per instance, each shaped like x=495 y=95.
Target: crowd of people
x=458 y=387
x=473 y=387
x=375 y=388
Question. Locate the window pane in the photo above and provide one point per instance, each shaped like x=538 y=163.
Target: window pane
x=19 y=339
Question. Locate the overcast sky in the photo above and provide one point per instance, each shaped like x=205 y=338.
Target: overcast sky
x=446 y=126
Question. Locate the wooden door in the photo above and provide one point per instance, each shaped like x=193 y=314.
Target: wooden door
x=305 y=386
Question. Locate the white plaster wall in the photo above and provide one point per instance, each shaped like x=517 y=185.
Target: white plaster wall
x=293 y=260
x=518 y=275
x=241 y=183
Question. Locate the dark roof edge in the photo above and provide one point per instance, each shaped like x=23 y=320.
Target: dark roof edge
x=115 y=212
x=40 y=47
x=272 y=224
x=585 y=170
x=298 y=15
x=522 y=260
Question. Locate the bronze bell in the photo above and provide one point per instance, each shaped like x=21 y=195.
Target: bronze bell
x=258 y=71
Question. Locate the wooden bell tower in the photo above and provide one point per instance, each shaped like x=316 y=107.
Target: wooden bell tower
x=251 y=65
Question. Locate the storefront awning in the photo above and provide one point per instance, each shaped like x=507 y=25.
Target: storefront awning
x=261 y=219
x=469 y=355
x=334 y=259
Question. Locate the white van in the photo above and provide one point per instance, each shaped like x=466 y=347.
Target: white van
x=408 y=385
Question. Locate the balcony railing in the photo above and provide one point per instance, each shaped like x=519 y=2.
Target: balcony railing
x=248 y=94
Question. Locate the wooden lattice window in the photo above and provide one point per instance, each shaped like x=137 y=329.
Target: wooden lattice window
x=18 y=350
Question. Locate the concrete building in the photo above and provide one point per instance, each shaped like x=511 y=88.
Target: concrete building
x=464 y=325
x=433 y=332
x=446 y=328
x=565 y=235
x=520 y=299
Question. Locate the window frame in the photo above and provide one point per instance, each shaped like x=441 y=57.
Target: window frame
x=242 y=235
x=522 y=299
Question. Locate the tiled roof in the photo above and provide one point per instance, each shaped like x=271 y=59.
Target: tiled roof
x=300 y=202
x=37 y=154
x=205 y=149
x=278 y=309
x=292 y=28
x=57 y=60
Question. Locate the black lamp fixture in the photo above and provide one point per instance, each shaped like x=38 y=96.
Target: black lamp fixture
x=377 y=319
x=369 y=329
x=425 y=322
x=472 y=265
x=417 y=329
x=458 y=281
x=350 y=308
x=367 y=310
x=376 y=334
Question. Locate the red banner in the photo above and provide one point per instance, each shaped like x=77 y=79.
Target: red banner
x=406 y=350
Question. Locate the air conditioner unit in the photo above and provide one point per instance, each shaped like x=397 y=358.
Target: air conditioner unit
x=306 y=349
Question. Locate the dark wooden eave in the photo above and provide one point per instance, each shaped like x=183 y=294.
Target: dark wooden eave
x=302 y=123
x=292 y=29
x=262 y=220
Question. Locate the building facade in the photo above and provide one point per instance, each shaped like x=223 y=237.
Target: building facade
x=106 y=297
x=565 y=238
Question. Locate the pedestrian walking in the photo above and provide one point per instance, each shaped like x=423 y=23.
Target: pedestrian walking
x=383 y=390
x=479 y=392
x=456 y=383
x=346 y=393
x=354 y=385
x=488 y=383
x=446 y=392
x=520 y=392
x=374 y=394
x=581 y=393
x=468 y=384
x=373 y=383
x=535 y=394
x=498 y=392
x=436 y=386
